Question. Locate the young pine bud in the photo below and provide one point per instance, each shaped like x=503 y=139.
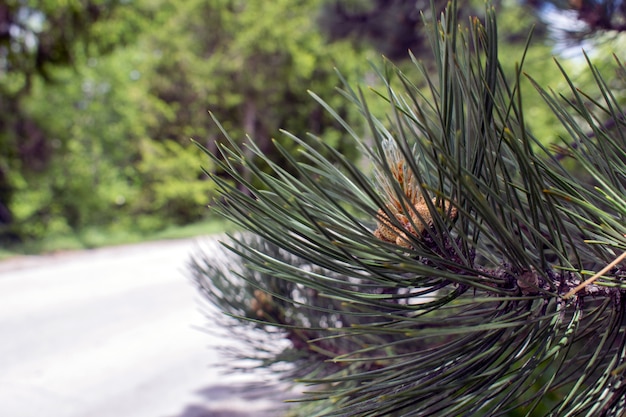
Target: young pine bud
x=411 y=213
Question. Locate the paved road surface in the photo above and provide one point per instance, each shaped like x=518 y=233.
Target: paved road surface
x=110 y=333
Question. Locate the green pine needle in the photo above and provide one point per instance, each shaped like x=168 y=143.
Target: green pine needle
x=443 y=276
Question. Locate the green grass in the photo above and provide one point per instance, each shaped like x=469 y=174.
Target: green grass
x=94 y=237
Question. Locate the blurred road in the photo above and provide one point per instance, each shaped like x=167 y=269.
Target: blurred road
x=110 y=333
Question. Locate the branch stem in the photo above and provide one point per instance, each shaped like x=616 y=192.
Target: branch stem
x=604 y=270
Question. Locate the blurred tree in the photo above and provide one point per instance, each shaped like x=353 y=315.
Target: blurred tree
x=393 y=27
x=107 y=136
x=232 y=58
x=36 y=38
x=38 y=35
x=102 y=113
x=91 y=131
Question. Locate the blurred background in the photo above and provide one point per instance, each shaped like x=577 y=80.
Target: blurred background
x=99 y=98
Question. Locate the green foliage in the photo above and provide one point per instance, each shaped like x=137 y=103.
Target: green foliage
x=86 y=174
x=40 y=35
x=251 y=72
x=93 y=93
x=107 y=141
x=171 y=191
x=116 y=234
x=56 y=175
x=443 y=282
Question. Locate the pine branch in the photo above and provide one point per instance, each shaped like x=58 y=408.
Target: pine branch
x=446 y=278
